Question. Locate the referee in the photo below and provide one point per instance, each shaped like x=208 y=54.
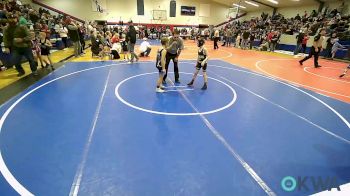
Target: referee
x=173 y=52
x=316 y=48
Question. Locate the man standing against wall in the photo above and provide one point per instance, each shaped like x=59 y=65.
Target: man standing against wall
x=173 y=52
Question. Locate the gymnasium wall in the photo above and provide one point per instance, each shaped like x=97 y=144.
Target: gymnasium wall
x=290 y=12
x=127 y=9
x=336 y=3
x=255 y=14
x=293 y=11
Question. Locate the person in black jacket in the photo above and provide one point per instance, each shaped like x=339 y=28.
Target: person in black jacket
x=251 y=40
x=131 y=39
x=299 y=38
x=81 y=32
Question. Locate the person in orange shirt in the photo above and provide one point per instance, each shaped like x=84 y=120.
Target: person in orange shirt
x=115 y=38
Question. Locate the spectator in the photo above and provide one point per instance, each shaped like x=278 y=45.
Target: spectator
x=145 y=48
x=124 y=45
x=95 y=44
x=251 y=40
x=274 y=41
x=330 y=43
x=300 y=38
x=303 y=45
x=131 y=39
x=17 y=40
x=73 y=32
x=245 y=41
x=63 y=33
x=115 y=38
x=2 y=12
x=238 y=41
x=115 y=50
x=336 y=47
x=216 y=39
x=263 y=46
x=81 y=32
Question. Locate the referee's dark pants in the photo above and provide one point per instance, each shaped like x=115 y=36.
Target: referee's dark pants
x=169 y=57
x=216 y=39
x=313 y=53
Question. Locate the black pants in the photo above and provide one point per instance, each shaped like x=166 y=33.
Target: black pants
x=313 y=53
x=224 y=41
x=82 y=42
x=64 y=40
x=146 y=53
x=328 y=52
x=17 y=55
x=304 y=47
x=115 y=54
x=169 y=57
x=216 y=39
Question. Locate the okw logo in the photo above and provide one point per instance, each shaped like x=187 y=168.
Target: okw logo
x=308 y=183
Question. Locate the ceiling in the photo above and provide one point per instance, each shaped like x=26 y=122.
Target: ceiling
x=281 y=3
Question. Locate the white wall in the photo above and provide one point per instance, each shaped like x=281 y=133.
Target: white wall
x=127 y=9
x=255 y=14
x=290 y=12
x=336 y=4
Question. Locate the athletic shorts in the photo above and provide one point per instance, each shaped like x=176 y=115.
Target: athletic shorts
x=199 y=66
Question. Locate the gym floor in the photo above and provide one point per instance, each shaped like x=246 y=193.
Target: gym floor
x=98 y=128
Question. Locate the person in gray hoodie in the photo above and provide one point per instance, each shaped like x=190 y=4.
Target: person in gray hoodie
x=74 y=36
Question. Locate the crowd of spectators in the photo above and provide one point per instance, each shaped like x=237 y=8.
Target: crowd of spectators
x=106 y=40
x=28 y=32
x=112 y=41
x=268 y=29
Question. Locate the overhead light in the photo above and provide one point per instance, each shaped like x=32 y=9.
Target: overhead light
x=273 y=1
x=251 y=3
x=239 y=6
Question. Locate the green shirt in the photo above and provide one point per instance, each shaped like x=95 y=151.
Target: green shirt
x=17 y=31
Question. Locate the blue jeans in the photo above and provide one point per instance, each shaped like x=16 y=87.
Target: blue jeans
x=17 y=55
x=297 y=48
x=131 y=48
